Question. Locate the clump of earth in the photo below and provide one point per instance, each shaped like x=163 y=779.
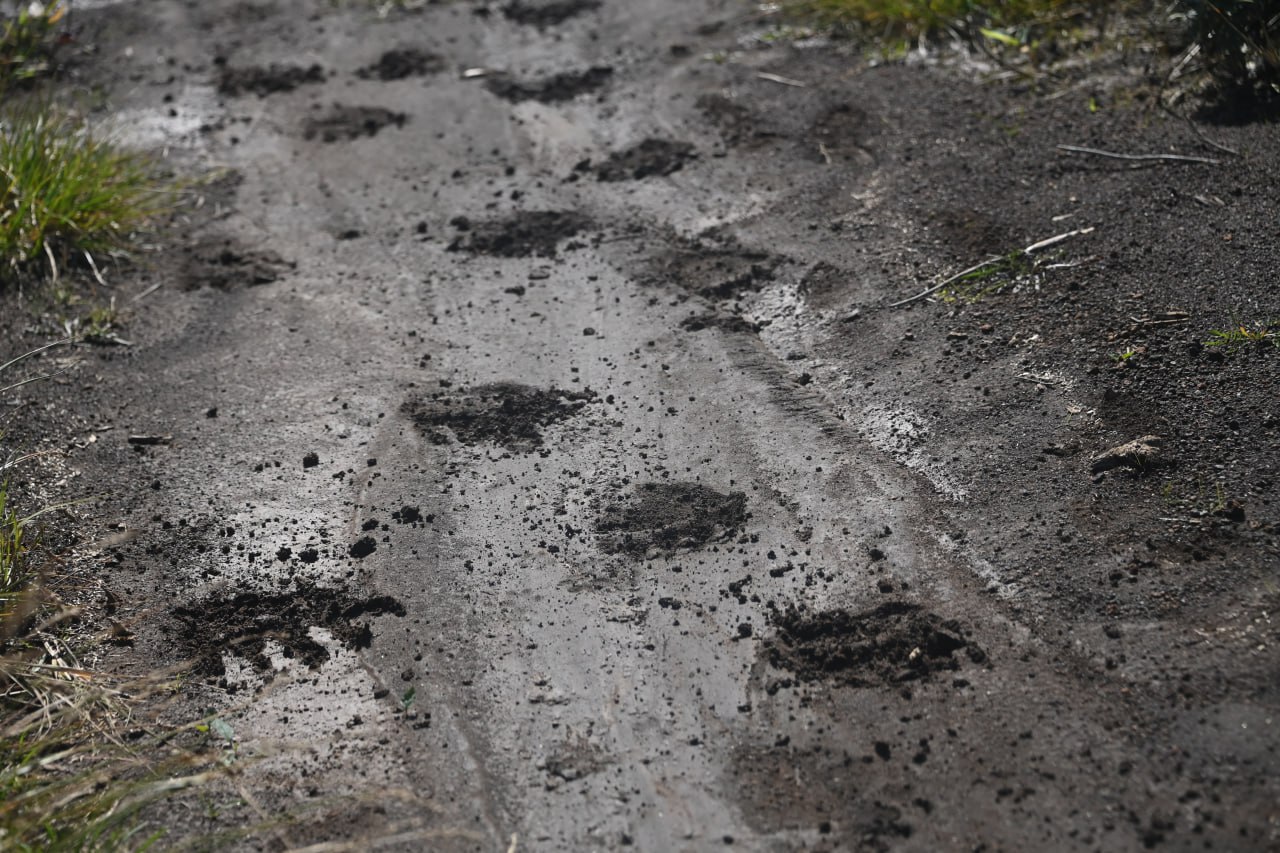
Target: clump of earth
x=889 y=644
x=503 y=413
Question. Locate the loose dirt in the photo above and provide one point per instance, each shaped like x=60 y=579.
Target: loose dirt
x=248 y=625
x=348 y=122
x=700 y=543
x=645 y=159
x=503 y=413
x=670 y=516
x=263 y=81
x=893 y=643
x=550 y=90
x=534 y=232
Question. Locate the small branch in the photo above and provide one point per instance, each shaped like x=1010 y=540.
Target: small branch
x=778 y=78
x=1179 y=158
x=932 y=290
x=1034 y=247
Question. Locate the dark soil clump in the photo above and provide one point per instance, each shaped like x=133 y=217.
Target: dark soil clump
x=893 y=643
x=717 y=273
x=262 y=81
x=534 y=232
x=549 y=90
x=669 y=516
x=651 y=157
x=724 y=322
x=502 y=413
x=225 y=264
x=243 y=624
x=547 y=14
x=401 y=63
x=344 y=122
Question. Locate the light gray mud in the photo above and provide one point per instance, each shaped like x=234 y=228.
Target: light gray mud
x=410 y=410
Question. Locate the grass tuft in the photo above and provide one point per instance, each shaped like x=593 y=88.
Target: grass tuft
x=66 y=192
x=28 y=39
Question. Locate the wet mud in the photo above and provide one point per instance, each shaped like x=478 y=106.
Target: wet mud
x=667 y=517
x=505 y=413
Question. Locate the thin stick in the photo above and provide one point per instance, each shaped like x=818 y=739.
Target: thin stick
x=778 y=78
x=1180 y=158
x=37 y=351
x=922 y=294
x=1034 y=247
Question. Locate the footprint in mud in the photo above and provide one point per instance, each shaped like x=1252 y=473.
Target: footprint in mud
x=648 y=158
x=502 y=413
x=403 y=62
x=547 y=14
x=668 y=517
x=225 y=264
x=263 y=81
x=549 y=90
x=713 y=272
x=889 y=644
x=522 y=235
x=243 y=624
x=345 y=122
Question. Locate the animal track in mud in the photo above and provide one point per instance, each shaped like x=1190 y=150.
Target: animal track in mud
x=547 y=14
x=403 y=62
x=714 y=272
x=225 y=264
x=521 y=235
x=243 y=624
x=645 y=159
x=503 y=413
x=346 y=122
x=268 y=80
x=549 y=90
x=889 y=644
x=670 y=516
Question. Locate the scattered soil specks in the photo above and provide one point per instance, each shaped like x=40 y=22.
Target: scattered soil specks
x=503 y=413
x=521 y=235
x=403 y=62
x=225 y=264
x=346 y=122
x=669 y=516
x=263 y=81
x=549 y=90
x=547 y=14
x=644 y=159
x=243 y=624
x=892 y=643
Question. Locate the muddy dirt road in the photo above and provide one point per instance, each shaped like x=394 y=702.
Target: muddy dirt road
x=547 y=472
